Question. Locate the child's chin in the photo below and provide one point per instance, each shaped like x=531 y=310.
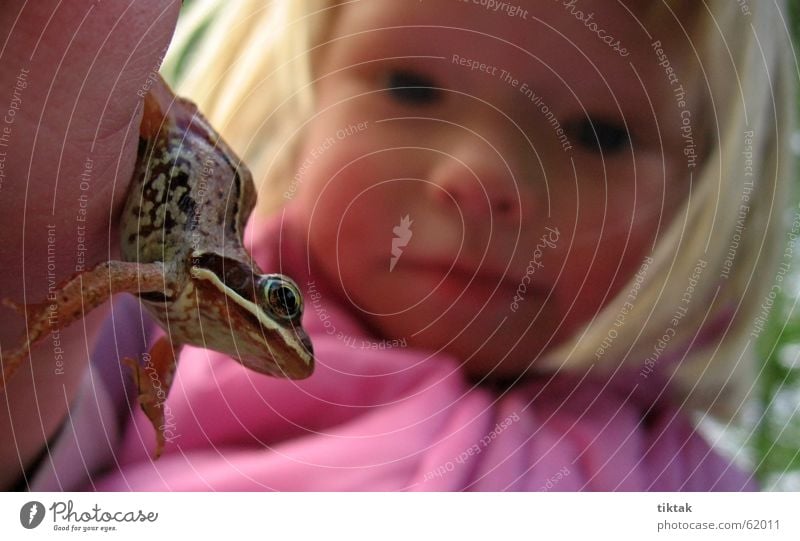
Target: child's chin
x=492 y=371
x=485 y=357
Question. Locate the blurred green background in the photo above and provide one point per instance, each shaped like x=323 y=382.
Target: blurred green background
x=776 y=440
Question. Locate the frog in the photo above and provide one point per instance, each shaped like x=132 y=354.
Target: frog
x=182 y=255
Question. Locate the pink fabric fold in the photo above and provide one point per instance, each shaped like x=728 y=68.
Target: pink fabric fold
x=403 y=419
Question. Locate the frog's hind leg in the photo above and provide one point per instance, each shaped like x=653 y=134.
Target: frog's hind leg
x=153 y=382
x=76 y=297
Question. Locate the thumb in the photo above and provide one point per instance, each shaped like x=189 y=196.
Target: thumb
x=72 y=79
x=75 y=74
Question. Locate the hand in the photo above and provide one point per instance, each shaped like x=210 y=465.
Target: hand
x=72 y=79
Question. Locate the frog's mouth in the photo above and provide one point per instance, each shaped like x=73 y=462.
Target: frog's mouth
x=237 y=281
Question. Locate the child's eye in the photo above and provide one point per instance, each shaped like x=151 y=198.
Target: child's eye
x=606 y=137
x=412 y=88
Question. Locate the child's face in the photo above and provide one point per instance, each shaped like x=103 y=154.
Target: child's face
x=500 y=203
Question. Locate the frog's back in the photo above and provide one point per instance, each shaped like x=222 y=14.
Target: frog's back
x=189 y=190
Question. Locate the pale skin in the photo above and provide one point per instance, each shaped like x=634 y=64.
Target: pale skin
x=482 y=173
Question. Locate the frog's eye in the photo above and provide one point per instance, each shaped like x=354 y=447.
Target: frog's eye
x=283 y=298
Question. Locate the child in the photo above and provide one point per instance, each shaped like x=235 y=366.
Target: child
x=526 y=233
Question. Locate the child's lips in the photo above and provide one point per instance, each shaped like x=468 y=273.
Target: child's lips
x=455 y=279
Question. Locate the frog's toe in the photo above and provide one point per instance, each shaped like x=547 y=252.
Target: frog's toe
x=18 y=308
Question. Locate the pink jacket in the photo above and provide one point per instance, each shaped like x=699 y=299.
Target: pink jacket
x=374 y=416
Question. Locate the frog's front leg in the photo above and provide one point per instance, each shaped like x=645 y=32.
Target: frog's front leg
x=153 y=382
x=74 y=298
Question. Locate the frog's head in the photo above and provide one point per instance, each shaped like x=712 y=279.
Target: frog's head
x=253 y=317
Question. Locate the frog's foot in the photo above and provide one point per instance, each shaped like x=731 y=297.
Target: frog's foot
x=18 y=308
x=73 y=299
x=153 y=382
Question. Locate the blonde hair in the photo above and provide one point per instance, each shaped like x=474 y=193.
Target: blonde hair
x=732 y=227
x=251 y=73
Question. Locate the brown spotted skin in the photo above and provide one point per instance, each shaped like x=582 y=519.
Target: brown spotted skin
x=183 y=255
x=188 y=203
x=190 y=191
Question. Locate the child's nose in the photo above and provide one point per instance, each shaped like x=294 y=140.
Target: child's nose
x=478 y=187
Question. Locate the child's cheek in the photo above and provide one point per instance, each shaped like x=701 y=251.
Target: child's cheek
x=344 y=205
